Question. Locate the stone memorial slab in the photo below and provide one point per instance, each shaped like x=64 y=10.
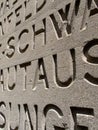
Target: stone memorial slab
x=48 y=64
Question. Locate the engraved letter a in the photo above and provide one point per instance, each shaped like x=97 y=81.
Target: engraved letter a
x=64 y=67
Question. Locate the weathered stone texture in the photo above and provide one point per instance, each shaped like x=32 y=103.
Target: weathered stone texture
x=49 y=65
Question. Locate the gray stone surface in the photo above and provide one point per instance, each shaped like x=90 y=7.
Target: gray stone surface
x=48 y=64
